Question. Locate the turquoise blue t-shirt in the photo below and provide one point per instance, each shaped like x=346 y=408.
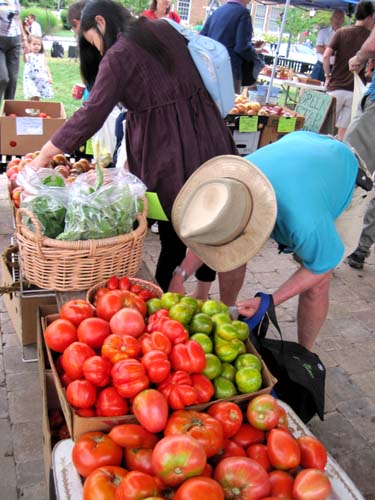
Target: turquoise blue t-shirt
x=313 y=177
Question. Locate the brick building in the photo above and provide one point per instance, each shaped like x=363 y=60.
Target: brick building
x=194 y=12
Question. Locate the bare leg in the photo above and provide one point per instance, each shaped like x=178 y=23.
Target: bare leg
x=340 y=133
x=202 y=289
x=312 y=312
x=230 y=284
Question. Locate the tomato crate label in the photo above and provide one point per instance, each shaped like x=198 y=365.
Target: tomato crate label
x=287 y=124
x=248 y=124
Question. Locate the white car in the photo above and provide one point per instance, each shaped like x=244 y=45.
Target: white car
x=297 y=52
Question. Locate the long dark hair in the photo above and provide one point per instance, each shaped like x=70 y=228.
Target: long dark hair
x=118 y=20
x=154 y=6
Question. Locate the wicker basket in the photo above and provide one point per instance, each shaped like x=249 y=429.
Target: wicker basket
x=155 y=289
x=76 y=265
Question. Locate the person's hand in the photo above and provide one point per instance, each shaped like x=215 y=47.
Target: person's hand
x=248 y=307
x=355 y=64
x=177 y=284
x=38 y=162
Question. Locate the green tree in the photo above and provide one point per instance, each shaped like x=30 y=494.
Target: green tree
x=300 y=21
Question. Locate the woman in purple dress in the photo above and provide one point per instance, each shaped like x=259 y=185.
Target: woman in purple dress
x=172 y=126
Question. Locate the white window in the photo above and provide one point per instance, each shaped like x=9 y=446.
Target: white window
x=260 y=17
x=274 y=19
x=183 y=9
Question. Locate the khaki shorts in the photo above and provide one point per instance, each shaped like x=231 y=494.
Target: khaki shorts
x=350 y=223
x=344 y=99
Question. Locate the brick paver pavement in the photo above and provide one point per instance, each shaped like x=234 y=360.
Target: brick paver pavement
x=346 y=346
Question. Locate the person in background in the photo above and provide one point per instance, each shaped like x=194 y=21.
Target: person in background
x=34 y=27
x=159 y=9
x=36 y=74
x=320 y=225
x=231 y=25
x=172 y=126
x=343 y=45
x=12 y=40
x=322 y=42
x=361 y=135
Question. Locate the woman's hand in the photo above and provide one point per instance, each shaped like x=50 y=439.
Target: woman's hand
x=248 y=307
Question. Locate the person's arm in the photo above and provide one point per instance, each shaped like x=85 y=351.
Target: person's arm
x=48 y=151
x=244 y=33
x=188 y=267
x=48 y=71
x=367 y=51
x=299 y=282
x=326 y=63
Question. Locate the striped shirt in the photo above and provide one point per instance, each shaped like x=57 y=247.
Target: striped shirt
x=9 y=11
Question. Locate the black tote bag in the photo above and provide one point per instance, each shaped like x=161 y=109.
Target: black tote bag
x=300 y=372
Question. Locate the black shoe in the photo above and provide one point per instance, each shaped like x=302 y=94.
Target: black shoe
x=357 y=259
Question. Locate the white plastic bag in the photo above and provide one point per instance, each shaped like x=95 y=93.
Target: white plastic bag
x=104 y=141
x=359 y=89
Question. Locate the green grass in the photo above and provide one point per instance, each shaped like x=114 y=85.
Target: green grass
x=65 y=73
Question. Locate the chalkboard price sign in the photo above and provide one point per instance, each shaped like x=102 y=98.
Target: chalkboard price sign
x=318 y=109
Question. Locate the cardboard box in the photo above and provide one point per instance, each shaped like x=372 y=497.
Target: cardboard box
x=22 y=307
x=246 y=142
x=23 y=133
x=271 y=131
x=79 y=425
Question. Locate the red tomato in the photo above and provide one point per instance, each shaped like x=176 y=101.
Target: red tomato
x=129 y=377
x=65 y=379
x=174 y=330
x=139 y=459
x=108 y=304
x=283 y=417
x=155 y=341
x=178 y=457
x=113 y=283
x=263 y=412
x=150 y=408
x=124 y=283
x=73 y=358
x=137 y=485
x=281 y=484
x=81 y=394
x=247 y=435
x=60 y=334
x=146 y=295
x=229 y=414
x=199 y=488
x=95 y=449
x=311 y=484
x=85 y=412
x=258 y=452
x=76 y=310
x=93 y=331
x=242 y=478
x=178 y=389
x=97 y=370
x=100 y=291
x=103 y=482
x=232 y=449
x=205 y=388
x=136 y=288
x=118 y=347
x=283 y=450
x=133 y=436
x=157 y=365
x=130 y=299
x=313 y=453
x=188 y=356
x=127 y=321
x=110 y=404
x=201 y=426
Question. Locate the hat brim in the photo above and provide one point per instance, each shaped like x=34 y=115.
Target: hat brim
x=261 y=222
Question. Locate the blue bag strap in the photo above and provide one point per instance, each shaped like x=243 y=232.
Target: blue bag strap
x=263 y=307
x=183 y=31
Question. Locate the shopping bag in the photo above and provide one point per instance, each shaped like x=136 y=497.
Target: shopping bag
x=300 y=373
x=359 y=89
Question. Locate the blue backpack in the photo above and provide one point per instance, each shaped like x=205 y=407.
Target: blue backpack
x=213 y=63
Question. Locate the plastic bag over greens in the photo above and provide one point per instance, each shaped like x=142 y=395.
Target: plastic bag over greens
x=45 y=194
x=102 y=204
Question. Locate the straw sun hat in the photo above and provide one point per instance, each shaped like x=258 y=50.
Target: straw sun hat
x=225 y=212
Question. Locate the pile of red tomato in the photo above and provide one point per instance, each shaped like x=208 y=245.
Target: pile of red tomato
x=109 y=355
x=224 y=453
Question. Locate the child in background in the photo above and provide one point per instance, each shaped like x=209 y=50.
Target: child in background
x=36 y=75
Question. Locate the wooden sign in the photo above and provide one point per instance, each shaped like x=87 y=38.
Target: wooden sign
x=319 y=110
